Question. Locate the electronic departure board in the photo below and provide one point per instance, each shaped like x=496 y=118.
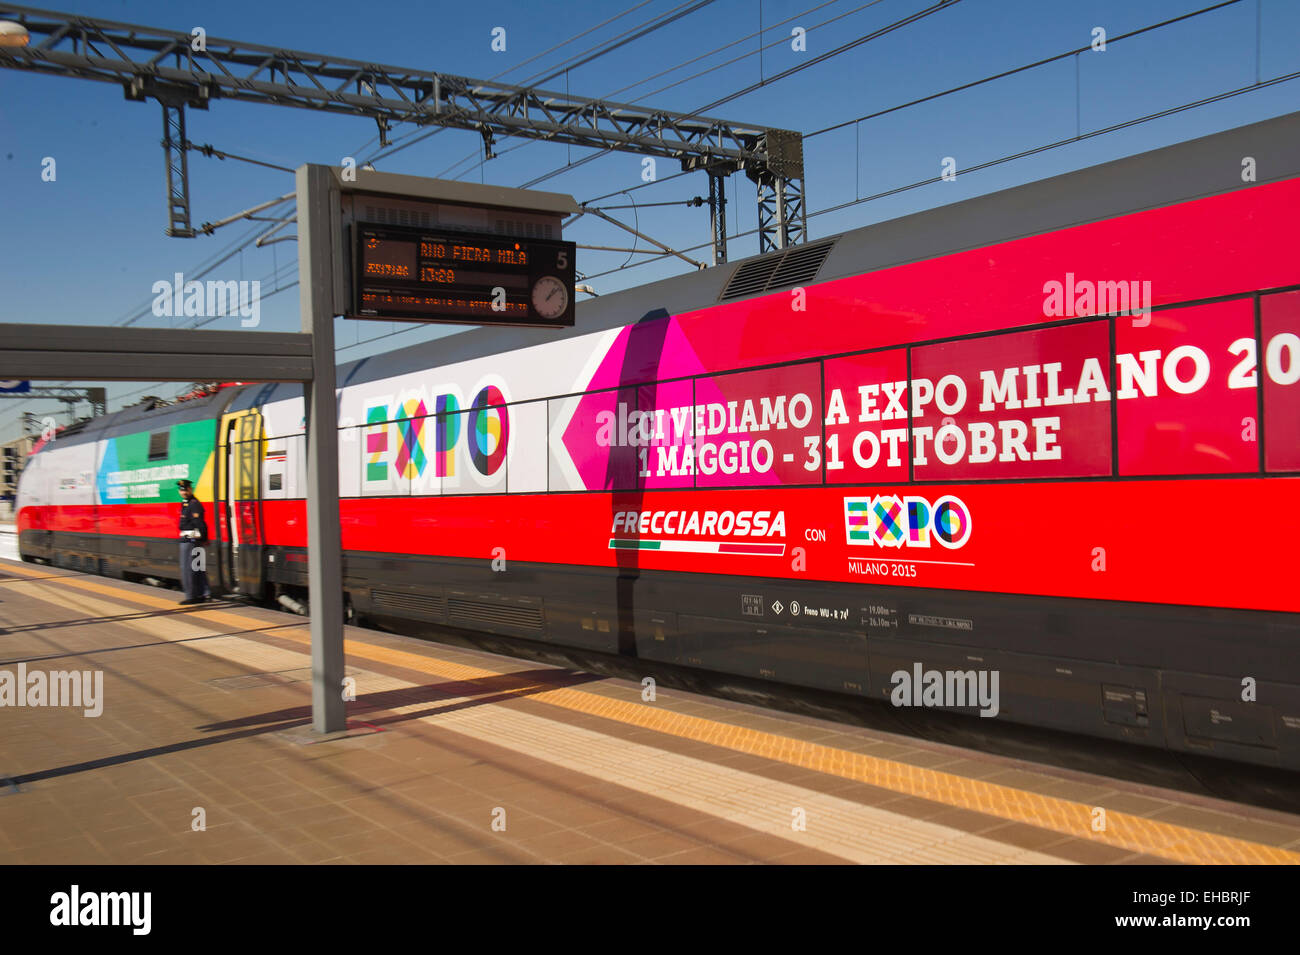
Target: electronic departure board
x=417 y=275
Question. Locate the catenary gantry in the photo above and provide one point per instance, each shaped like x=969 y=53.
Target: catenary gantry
x=186 y=69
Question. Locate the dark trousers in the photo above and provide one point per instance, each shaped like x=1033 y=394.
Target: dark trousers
x=194 y=581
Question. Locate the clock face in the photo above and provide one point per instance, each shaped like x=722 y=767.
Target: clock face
x=550 y=297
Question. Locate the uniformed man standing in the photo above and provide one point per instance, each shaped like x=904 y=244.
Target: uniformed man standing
x=194 y=540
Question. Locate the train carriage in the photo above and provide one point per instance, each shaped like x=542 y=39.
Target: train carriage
x=1052 y=433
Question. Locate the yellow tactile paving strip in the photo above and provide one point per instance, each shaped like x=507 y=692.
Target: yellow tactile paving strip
x=1123 y=830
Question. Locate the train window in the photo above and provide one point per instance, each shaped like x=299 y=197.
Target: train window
x=591 y=447
x=1186 y=390
x=526 y=453
x=384 y=469
x=756 y=428
x=1279 y=363
x=274 y=459
x=476 y=441
x=1031 y=404
x=662 y=434
x=866 y=417
x=350 y=459
x=158 y=442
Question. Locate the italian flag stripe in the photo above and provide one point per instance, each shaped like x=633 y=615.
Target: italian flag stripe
x=695 y=547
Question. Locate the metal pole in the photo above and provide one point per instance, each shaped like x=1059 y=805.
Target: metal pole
x=718 y=216
x=178 y=171
x=317 y=201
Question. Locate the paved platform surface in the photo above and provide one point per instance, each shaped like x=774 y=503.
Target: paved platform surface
x=459 y=756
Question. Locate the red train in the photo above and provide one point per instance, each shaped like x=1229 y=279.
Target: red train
x=1052 y=434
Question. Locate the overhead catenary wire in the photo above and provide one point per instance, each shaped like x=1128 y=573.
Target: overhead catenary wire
x=209 y=150
x=574 y=38
x=1018 y=69
x=779 y=42
x=546 y=52
x=587 y=56
x=737 y=42
x=714 y=52
x=842 y=48
x=669 y=18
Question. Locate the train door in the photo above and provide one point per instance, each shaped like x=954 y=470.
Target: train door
x=239 y=518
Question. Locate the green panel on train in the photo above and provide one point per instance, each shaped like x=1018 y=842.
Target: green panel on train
x=126 y=473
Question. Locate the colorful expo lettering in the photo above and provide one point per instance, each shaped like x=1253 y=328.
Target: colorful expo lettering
x=400 y=438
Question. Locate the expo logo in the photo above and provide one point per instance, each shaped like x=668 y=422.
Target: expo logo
x=892 y=521
x=402 y=439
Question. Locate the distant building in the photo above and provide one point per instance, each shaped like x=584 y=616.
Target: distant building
x=13 y=458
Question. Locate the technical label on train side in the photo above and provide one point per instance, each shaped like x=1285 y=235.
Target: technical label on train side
x=878 y=615
x=751 y=605
x=947 y=623
x=804 y=611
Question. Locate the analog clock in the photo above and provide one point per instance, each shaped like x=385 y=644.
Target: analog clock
x=550 y=297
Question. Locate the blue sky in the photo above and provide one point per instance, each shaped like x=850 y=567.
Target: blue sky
x=87 y=248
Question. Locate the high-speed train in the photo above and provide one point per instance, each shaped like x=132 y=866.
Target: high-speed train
x=1051 y=434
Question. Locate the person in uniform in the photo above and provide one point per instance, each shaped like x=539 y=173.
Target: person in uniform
x=194 y=536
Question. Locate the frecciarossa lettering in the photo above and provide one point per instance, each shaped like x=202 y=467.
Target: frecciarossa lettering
x=684 y=523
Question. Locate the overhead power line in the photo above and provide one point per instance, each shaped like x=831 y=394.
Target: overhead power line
x=843 y=48
x=622 y=42
x=537 y=56
x=1018 y=69
x=726 y=46
x=599 y=50
x=474 y=156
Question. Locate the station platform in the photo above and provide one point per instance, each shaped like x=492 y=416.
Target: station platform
x=203 y=753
